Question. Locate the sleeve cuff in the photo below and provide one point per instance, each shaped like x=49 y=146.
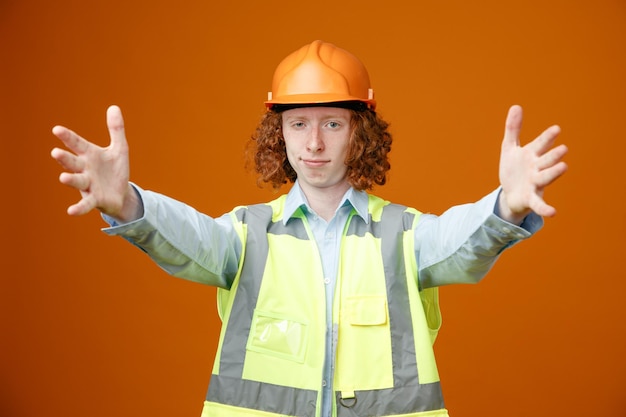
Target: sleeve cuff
x=116 y=228
x=529 y=226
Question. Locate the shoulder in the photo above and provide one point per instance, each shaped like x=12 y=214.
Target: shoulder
x=270 y=210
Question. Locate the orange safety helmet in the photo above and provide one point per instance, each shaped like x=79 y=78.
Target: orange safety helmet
x=320 y=73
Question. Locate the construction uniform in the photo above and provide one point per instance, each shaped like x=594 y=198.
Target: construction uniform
x=305 y=336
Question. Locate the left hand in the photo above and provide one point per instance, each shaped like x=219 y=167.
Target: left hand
x=525 y=171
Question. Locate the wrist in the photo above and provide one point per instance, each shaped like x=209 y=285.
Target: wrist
x=507 y=213
x=132 y=206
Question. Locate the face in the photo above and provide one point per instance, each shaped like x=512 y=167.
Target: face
x=317 y=140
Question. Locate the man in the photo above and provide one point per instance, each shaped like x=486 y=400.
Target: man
x=328 y=295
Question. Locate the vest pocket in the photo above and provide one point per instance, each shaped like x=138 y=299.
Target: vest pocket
x=278 y=335
x=367 y=310
x=364 y=357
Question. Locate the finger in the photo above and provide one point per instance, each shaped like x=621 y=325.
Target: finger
x=73 y=141
x=115 y=123
x=545 y=140
x=552 y=157
x=549 y=175
x=79 y=181
x=84 y=206
x=539 y=206
x=67 y=160
x=512 y=127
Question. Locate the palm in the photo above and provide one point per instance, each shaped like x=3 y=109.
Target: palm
x=525 y=171
x=100 y=174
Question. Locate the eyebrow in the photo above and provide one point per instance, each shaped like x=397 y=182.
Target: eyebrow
x=325 y=116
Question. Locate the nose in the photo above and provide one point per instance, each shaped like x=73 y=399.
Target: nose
x=314 y=143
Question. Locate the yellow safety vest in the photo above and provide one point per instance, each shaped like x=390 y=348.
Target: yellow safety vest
x=272 y=344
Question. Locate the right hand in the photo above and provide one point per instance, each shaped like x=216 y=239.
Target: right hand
x=99 y=174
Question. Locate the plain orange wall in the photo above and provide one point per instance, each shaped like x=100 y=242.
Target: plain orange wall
x=90 y=327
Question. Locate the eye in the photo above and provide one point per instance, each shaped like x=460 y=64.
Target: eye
x=297 y=124
x=334 y=125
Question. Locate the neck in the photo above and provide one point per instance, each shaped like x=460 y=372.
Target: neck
x=324 y=201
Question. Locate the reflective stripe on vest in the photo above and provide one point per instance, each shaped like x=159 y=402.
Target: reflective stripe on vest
x=406 y=395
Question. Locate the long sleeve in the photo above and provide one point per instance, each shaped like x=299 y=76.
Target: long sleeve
x=183 y=241
x=462 y=244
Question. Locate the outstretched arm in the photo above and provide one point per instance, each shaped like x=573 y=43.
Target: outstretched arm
x=99 y=174
x=525 y=171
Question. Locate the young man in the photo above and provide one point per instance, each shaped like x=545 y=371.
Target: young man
x=328 y=295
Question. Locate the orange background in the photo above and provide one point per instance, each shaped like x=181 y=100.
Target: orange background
x=89 y=327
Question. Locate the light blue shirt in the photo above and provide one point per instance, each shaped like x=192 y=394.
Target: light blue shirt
x=327 y=235
x=460 y=246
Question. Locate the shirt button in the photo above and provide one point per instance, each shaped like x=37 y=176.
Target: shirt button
x=506 y=229
x=330 y=235
x=326 y=281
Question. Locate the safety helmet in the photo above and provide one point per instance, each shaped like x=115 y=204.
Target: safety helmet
x=320 y=73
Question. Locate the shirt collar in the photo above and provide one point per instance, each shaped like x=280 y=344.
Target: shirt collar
x=296 y=199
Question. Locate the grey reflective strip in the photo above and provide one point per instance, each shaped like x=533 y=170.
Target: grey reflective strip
x=400 y=321
x=262 y=396
x=233 y=351
x=294 y=228
x=358 y=227
x=240 y=212
x=393 y=401
x=228 y=387
x=407 y=396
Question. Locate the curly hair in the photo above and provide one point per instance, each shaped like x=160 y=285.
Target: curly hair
x=366 y=160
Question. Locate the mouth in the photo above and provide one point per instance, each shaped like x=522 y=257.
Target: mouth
x=314 y=163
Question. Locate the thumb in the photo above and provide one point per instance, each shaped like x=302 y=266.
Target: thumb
x=512 y=127
x=115 y=123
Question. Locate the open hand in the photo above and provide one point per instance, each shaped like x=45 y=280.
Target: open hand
x=525 y=171
x=99 y=174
